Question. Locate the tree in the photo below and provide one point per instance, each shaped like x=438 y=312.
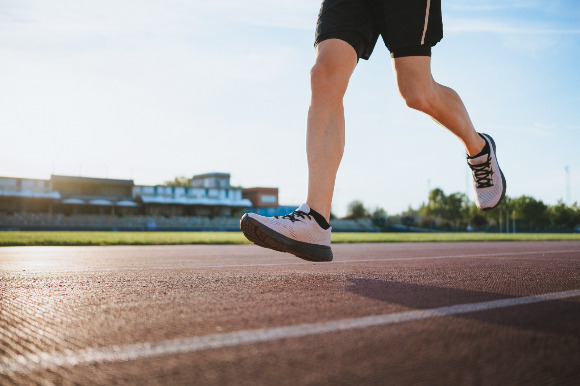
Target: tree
x=380 y=213
x=436 y=205
x=531 y=211
x=497 y=215
x=478 y=221
x=179 y=181
x=379 y=217
x=356 y=210
x=563 y=216
x=456 y=208
x=428 y=222
x=452 y=208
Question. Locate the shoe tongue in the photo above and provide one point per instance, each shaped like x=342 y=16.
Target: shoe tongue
x=304 y=208
x=478 y=160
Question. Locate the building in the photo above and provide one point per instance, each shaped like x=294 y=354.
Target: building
x=211 y=181
x=210 y=195
x=24 y=194
x=208 y=203
x=262 y=197
x=88 y=195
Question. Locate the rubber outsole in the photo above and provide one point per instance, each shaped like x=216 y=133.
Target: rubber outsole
x=265 y=237
x=488 y=137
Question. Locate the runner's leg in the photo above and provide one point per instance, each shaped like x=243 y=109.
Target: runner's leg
x=421 y=92
x=335 y=63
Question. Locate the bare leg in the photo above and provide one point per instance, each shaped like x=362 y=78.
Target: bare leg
x=422 y=93
x=335 y=63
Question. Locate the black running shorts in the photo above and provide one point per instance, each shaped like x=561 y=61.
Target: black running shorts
x=408 y=27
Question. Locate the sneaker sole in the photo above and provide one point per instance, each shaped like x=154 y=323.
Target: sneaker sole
x=488 y=137
x=265 y=237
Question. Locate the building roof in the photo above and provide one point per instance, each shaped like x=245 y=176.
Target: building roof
x=212 y=174
x=258 y=188
x=90 y=180
x=22 y=178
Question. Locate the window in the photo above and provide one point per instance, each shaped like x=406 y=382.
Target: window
x=269 y=198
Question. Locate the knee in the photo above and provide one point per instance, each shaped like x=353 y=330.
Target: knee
x=326 y=80
x=418 y=100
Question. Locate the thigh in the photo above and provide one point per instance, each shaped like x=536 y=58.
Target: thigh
x=349 y=20
x=337 y=58
x=409 y=23
x=413 y=75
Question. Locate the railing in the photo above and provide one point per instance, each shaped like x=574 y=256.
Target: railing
x=55 y=221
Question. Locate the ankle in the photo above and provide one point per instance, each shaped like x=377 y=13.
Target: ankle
x=318 y=209
x=322 y=222
x=476 y=146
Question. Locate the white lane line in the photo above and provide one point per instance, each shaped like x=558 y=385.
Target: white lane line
x=42 y=361
x=301 y=263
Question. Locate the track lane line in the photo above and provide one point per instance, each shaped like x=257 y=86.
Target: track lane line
x=43 y=361
x=300 y=263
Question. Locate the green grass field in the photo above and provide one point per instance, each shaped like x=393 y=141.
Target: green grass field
x=176 y=238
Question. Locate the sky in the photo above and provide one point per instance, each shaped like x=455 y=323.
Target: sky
x=153 y=90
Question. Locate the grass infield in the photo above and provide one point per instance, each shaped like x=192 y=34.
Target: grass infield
x=18 y=238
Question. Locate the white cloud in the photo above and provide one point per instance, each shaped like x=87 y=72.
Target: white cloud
x=293 y=14
x=492 y=5
x=532 y=39
x=72 y=26
x=507 y=28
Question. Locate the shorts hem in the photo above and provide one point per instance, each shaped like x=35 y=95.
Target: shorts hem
x=424 y=50
x=353 y=38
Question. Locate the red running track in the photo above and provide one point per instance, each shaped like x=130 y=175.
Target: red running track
x=418 y=313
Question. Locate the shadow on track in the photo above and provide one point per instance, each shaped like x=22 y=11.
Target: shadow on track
x=560 y=316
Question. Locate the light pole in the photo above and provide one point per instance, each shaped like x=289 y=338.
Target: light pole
x=567 y=169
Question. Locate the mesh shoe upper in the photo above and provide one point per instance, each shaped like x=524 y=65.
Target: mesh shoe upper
x=488 y=179
x=298 y=225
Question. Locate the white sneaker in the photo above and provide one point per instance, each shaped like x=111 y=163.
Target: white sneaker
x=297 y=233
x=488 y=180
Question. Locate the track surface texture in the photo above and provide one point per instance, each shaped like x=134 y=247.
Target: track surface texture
x=379 y=314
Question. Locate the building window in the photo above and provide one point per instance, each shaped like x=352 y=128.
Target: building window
x=269 y=198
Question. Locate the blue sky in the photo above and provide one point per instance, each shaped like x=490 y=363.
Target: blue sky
x=157 y=89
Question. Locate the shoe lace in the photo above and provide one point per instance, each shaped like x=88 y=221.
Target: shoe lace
x=483 y=173
x=297 y=213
